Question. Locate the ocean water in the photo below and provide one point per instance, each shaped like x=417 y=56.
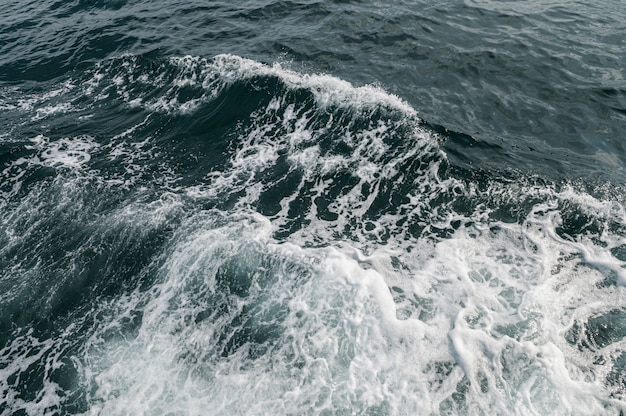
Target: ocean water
x=312 y=207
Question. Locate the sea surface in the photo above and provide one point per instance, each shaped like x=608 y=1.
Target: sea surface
x=312 y=207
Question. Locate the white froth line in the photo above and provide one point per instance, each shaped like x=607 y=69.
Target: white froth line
x=328 y=90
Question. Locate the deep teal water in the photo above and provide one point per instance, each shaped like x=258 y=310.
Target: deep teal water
x=312 y=208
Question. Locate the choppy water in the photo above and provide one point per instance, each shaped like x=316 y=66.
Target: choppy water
x=312 y=208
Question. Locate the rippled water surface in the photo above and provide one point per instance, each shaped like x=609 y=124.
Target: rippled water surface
x=312 y=208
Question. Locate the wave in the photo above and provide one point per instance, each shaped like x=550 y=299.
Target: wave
x=195 y=234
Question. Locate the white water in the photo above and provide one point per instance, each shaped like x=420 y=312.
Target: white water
x=483 y=313
x=380 y=321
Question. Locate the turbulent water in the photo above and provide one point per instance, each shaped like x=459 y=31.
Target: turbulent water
x=312 y=207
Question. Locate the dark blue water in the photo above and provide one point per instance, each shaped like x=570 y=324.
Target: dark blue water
x=312 y=208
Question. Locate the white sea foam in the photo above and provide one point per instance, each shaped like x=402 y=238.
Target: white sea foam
x=328 y=90
x=485 y=309
x=47 y=111
x=40 y=105
x=67 y=152
x=342 y=307
x=70 y=153
x=335 y=327
x=16 y=358
x=473 y=323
